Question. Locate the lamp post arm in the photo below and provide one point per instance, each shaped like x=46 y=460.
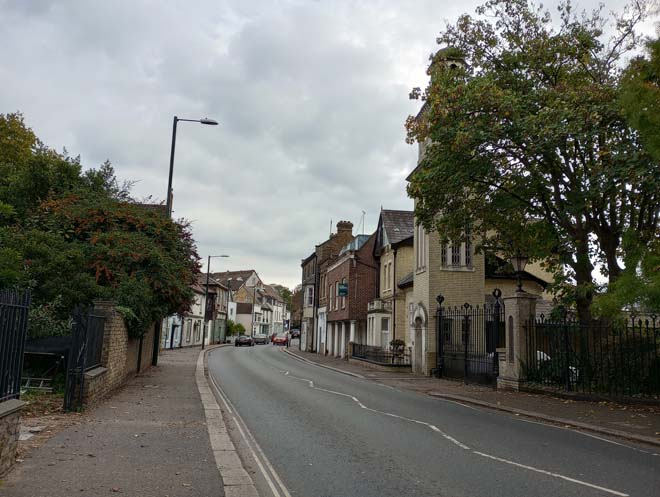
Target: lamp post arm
x=169 y=181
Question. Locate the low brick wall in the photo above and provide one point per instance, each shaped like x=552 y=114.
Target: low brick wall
x=379 y=367
x=10 y=426
x=119 y=358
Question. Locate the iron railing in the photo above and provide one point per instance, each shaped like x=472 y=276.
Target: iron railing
x=14 y=307
x=467 y=340
x=616 y=359
x=378 y=355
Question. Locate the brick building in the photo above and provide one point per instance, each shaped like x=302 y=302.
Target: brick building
x=351 y=283
x=314 y=316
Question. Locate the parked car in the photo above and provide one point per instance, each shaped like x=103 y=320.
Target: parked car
x=244 y=340
x=281 y=339
x=261 y=338
x=295 y=333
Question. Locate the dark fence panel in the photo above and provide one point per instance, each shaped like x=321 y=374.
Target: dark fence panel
x=619 y=359
x=84 y=354
x=386 y=357
x=468 y=340
x=14 y=307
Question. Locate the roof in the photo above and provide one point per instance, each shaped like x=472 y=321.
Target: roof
x=271 y=292
x=498 y=268
x=354 y=244
x=201 y=281
x=233 y=279
x=407 y=281
x=398 y=225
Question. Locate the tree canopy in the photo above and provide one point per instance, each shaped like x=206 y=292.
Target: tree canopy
x=527 y=144
x=72 y=236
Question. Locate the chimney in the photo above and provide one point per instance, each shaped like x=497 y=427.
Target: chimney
x=343 y=226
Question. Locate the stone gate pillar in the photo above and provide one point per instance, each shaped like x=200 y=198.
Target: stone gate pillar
x=519 y=312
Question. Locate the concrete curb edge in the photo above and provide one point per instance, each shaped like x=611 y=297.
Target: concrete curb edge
x=549 y=419
x=337 y=370
x=235 y=479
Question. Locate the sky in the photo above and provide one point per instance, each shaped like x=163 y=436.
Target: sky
x=311 y=97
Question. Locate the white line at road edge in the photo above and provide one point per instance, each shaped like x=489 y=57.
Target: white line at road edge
x=250 y=441
x=456 y=442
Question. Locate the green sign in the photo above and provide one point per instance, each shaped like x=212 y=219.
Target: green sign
x=343 y=289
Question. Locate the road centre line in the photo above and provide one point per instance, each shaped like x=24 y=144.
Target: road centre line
x=457 y=442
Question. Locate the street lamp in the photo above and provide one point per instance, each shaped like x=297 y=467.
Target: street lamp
x=206 y=295
x=206 y=121
x=519 y=261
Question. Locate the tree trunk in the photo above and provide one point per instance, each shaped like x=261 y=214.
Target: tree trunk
x=584 y=291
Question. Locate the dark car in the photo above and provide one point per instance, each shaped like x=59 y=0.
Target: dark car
x=244 y=340
x=295 y=333
x=261 y=338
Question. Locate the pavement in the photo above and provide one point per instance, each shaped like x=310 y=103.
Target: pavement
x=636 y=422
x=320 y=433
x=149 y=439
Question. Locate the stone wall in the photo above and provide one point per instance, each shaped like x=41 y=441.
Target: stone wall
x=10 y=424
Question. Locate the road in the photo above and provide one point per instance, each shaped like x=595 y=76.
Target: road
x=331 y=435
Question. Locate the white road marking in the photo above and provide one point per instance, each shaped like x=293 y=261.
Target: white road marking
x=457 y=442
x=236 y=418
x=555 y=475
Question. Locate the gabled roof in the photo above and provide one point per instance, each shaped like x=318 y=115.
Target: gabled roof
x=272 y=293
x=398 y=225
x=213 y=283
x=234 y=279
x=406 y=281
x=395 y=228
x=499 y=269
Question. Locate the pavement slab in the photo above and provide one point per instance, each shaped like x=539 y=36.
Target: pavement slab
x=149 y=439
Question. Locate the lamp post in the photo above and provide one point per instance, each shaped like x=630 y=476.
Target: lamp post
x=206 y=121
x=519 y=261
x=206 y=295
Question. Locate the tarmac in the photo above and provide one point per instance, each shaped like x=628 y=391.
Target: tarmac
x=637 y=422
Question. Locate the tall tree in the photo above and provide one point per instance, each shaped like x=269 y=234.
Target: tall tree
x=526 y=142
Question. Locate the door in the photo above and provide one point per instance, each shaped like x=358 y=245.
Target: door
x=417 y=367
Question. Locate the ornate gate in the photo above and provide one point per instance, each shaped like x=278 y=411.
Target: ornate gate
x=468 y=337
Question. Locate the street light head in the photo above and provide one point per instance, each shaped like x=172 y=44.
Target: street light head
x=208 y=121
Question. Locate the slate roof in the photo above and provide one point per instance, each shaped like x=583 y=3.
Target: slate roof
x=406 y=281
x=399 y=225
x=272 y=293
x=233 y=279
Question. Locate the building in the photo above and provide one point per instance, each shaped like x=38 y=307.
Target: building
x=314 y=313
x=351 y=283
x=394 y=253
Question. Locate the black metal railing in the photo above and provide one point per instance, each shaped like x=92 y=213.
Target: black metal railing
x=468 y=338
x=14 y=307
x=94 y=346
x=618 y=359
x=387 y=357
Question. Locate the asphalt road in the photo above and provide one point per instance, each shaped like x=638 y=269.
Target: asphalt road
x=330 y=435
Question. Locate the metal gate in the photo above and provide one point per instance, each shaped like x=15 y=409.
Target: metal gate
x=84 y=354
x=468 y=337
x=14 y=307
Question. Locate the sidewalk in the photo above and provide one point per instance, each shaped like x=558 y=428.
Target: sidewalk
x=636 y=422
x=149 y=439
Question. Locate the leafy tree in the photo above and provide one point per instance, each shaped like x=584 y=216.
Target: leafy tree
x=526 y=143
x=72 y=236
x=234 y=328
x=284 y=292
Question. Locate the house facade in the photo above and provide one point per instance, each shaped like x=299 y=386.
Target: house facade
x=393 y=250
x=351 y=283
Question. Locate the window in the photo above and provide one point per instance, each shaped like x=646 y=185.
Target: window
x=343 y=299
x=468 y=252
x=443 y=255
x=455 y=254
x=310 y=296
x=336 y=295
x=385 y=324
x=331 y=295
x=390 y=281
x=421 y=248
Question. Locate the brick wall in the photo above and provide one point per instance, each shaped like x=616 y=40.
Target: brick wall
x=10 y=425
x=119 y=355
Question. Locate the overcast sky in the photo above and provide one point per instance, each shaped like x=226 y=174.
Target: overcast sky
x=311 y=97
